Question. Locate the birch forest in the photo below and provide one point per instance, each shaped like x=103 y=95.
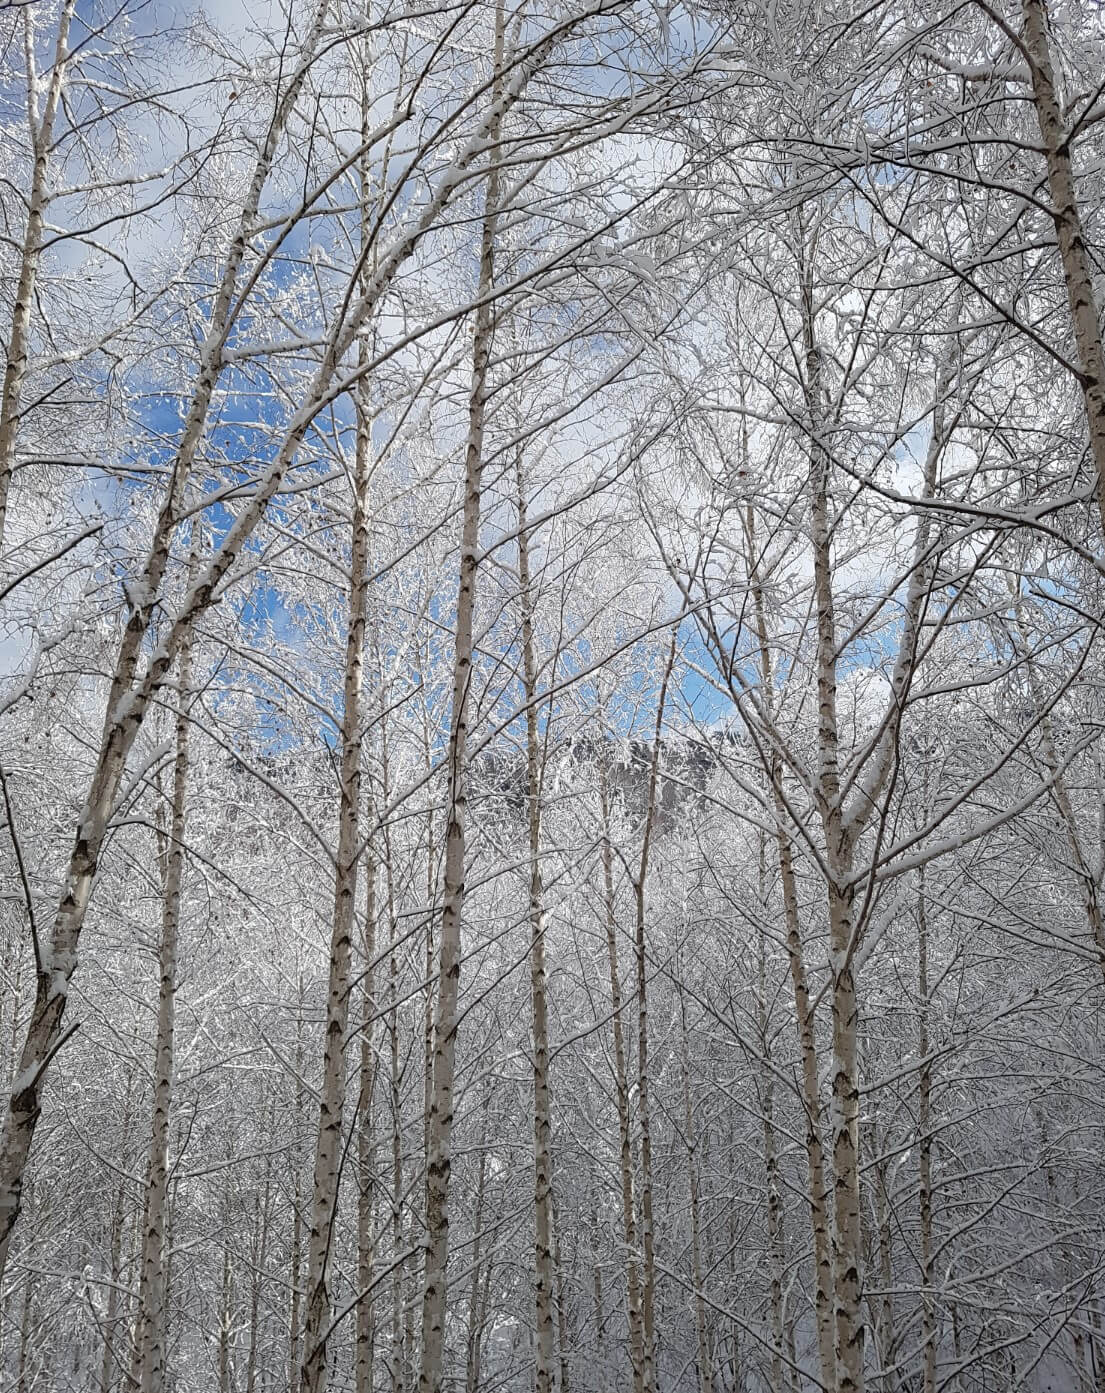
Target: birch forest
x=552 y=701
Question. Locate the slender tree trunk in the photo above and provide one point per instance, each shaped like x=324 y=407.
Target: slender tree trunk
x=472 y=1369
x=1067 y=1264
x=648 y=1282
x=803 y=1006
x=395 y=1357
x=600 y=1318
x=1084 y=311
x=439 y=1149
x=563 y=1315
x=149 y=1371
x=258 y=1255
x=225 y=1320
x=542 y=1118
x=297 y=1211
x=1085 y=872
x=705 y=1367
x=42 y=140
x=621 y=1082
x=882 y=1308
x=365 y=1331
x=1097 y=1345
x=775 y=1241
x=365 y=1338
x=329 y=1144
x=112 y=1314
x=847 y=1240
x=23 y=1377
x=924 y=1150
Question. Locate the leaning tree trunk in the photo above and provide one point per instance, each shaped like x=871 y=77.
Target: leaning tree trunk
x=149 y=1374
x=440 y=1130
x=129 y=698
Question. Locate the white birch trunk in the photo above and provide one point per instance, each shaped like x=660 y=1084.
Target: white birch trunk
x=440 y=1131
x=705 y=1367
x=127 y=702
x=149 y=1372
x=329 y=1143
x=1084 y=310
x=648 y=1277
x=621 y=1084
x=803 y=1006
x=365 y=1337
x=847 y=1239
x=542 y=1118
x=18 y=345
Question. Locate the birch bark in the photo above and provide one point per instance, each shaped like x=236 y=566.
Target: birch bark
x=648 y=1280
x=803 y=1006
x=329 y=1142
x=542 y=1119
x=621 y=1085
x=1084 y=310
x=18 y=345
x=440 y=1130
x=127 y=704
x=149 y=1372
